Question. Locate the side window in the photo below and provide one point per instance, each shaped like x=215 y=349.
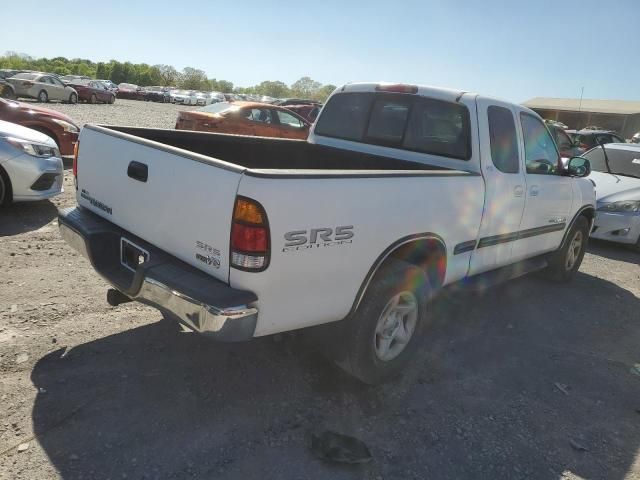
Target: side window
x=45 y=80
x=616 y=139
x=288 y=120
x=504 y=140
x=258 y=115
x=541 y=155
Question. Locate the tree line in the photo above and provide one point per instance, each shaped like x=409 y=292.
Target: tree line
x=165 y=75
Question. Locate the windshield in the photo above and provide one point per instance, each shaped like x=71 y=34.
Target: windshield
x=622 y=161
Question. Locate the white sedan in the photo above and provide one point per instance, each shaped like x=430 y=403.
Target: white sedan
x=30 y=165
x=615 y=171
x=185 y=97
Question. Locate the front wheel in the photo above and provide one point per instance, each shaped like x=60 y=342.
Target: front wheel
x=73 y=98
x=93 y=99
x=5 y=189
x=43 y=96
x=382 y=336
x=564 y=264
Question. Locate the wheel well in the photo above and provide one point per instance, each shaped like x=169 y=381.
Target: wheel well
x=428 y=254
x=7 y=182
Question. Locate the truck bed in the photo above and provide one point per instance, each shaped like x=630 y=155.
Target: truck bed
x=263 y=153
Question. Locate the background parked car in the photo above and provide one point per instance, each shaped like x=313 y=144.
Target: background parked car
x=54 y=124
x=30 y=165
x=130 y=91
x=73 y=78
x=109 y=84
x=566 y=145
x=43 y=87
x=283 y=102
x=185 y=97
x=309 y=112
x=586 y=139
x=93 y=91
x=615 y=171
x=245 y=118
x=156 y=94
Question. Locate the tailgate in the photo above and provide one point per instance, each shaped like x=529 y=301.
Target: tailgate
x=177 y=201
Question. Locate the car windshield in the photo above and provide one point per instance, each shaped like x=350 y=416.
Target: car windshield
x=622 y=161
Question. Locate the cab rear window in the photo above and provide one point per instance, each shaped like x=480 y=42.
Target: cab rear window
x=408 y=122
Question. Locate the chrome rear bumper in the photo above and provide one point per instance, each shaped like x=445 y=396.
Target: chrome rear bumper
x=191 y=297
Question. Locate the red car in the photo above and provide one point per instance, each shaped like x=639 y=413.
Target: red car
x=56 y=125
x=130 y=91
x=307 y=111
x=92 y=91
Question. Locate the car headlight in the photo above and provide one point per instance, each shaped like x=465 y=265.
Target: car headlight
x=68 y=127
x=34 y=149
x=625 y=206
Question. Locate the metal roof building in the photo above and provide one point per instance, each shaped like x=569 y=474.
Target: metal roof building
x=621 y=116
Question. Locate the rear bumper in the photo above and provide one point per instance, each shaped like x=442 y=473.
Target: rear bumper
x=191 y=297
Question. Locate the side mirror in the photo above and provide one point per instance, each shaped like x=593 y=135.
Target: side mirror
x=578 y=167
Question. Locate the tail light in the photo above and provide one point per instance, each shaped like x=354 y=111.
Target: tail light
x=396 y=88
x=250 y=245
x=75 y=163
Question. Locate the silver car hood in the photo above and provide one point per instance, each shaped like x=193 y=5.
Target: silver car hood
x=614 y=188
x=8 y=129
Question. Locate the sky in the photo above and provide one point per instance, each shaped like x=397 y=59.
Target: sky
x=509 y=49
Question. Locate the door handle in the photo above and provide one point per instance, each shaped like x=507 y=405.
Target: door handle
x=138 y=171
x=534 y=190
x=518 y=191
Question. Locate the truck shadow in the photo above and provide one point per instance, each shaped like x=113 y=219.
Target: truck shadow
x=529 y=379
x=25 y=217
x=613 y=251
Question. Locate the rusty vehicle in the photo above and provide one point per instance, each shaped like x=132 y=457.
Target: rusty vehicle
x=245 y=118
x=308 y=111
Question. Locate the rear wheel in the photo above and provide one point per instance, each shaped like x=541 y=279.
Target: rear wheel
x=93 y=99
x=73 y=98
x=43 y=96
x=112 y=99
x=6 y=195
x=381 y=337
x=564 y=264
x=8 y=92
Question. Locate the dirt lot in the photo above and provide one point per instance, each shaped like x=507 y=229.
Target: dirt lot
x=528 y=380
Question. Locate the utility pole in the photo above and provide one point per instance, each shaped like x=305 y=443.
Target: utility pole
x=581 y=94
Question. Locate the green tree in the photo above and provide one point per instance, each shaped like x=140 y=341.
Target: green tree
x=305 y=88
x=168 y=74
x=275 y=89
x=193 y=79
x=323 y=92
x=102 y=71
x=117 y=74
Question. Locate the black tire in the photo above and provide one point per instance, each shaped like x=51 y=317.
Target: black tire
x=93 y=99
x=112 y=99
x=73 y=98
x=6 y=192
x=564 y=264
x=43 y=96
x=8 y=92
x=372 y=325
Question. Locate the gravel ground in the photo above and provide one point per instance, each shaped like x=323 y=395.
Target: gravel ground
x=123 y=112
x=527 y=380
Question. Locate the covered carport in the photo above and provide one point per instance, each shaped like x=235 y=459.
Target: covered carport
x=621 y=116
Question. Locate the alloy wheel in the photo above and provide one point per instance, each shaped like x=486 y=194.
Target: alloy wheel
x=395 y=326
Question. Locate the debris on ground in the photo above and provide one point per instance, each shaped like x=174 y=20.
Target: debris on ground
x=23 y=447
x=336 y=447
x=21 y=358
x=562 y=387
x=577 y=445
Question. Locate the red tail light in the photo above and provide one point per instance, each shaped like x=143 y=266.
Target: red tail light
x=250 y=246
x=397 y=88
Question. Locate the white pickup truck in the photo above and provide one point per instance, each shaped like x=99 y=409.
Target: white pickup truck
x=399 y=191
